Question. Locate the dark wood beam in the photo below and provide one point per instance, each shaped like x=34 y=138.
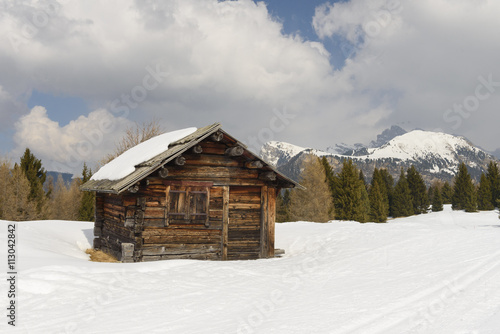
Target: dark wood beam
x=133 y=189
x=163 y=172
x=217 y=136
x=268 y=176
x=180 y=160
x=234 y=151
x=254 y=164
x=197 y=149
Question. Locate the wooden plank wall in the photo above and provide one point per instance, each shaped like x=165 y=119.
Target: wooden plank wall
x=98 y=219
x=244 y=223
x=271 y=218
x=213 y=165
x=181 y=240
x=217 y=241
x=114 y=232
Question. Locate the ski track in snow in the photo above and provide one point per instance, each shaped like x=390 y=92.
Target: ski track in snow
x=434 y=273
x=434 y=297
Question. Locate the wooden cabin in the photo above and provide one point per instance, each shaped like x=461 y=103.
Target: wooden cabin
x=205 y=196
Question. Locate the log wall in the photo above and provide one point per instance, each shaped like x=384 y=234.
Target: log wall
x=237 y=224
x=244 y=223
x=165 y=238
x=110 y=227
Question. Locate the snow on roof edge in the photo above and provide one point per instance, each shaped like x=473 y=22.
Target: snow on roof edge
x=125 y=163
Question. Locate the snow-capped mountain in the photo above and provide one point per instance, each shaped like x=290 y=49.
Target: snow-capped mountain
x=343 y=148
x=436 y=155
x=279 y=153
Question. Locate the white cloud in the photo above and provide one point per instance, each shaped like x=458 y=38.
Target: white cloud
x=230 y=62
x=231 y=47
x=65 y=148
x=355 y=20
x=226 y=61
x=422 y=57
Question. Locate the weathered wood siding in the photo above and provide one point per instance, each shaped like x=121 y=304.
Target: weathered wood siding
x=213 y=207
x=244 y=223
x=170 y=238
x=111 y=213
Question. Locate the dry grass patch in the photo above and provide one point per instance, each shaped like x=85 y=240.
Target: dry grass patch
x=100 y=256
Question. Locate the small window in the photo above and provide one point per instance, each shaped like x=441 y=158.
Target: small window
x=188 y=205
x=178 y=208
x=198 y=208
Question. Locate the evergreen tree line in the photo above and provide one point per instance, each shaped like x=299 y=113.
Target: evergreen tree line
x=347 y=196
x=23 y=196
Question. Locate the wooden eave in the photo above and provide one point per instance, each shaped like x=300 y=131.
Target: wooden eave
x=176 y=149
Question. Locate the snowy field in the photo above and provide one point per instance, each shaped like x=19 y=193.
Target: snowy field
x=433 y=273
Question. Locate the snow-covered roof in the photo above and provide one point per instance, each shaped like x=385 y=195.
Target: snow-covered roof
x=124 y=164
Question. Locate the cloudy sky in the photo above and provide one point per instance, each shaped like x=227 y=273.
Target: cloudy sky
x=75 y=74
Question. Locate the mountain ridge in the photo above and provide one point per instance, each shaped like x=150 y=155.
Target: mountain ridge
x=436 y=155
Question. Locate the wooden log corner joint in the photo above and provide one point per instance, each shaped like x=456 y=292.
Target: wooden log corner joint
x=206 y=197
x=163 y=172
x=235 y=151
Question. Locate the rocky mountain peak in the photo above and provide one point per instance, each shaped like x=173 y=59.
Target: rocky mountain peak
x=387 y=135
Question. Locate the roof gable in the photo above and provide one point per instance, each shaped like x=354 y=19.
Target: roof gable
x=176 y=147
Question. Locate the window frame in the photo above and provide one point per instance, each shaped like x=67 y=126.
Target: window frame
x=187 y=215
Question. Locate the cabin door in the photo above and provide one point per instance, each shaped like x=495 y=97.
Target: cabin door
x=244 y=237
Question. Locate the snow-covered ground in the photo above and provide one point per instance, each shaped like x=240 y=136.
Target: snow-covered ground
x=433 y=273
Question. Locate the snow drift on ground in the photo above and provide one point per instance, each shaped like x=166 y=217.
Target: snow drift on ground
x=125 y=163
x=433 y=273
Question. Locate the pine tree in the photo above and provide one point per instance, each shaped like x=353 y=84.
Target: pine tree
x=49 y=186
x=363 y=179
x=350 y=195
x=402 y=201
x=418 y=191
x=315 y=202
x=430 y=193
x=447 y=193
x=283 y=206
x=86 y=209
x=389 y=187
x=17 y=205
x=384 y=180
x=36 y=175
x=378 y=209
x=437 y=200
x=471 y=205
x=464 y=195
x=66 y=201
x=4 y=180
x=493 y=176
x=330 y=176
x=362 y=214
x=484 y=194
